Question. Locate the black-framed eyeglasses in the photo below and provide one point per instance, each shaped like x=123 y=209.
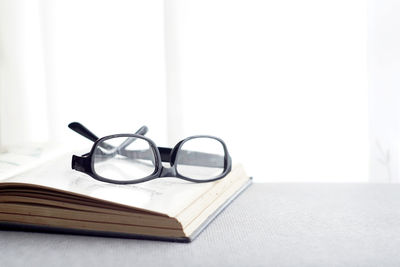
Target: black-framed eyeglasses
x=134 y=158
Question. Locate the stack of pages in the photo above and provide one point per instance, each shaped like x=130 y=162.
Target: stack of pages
x=54 y=198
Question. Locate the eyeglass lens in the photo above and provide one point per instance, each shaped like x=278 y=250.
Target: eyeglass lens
x=201 y=158
x=124 y=159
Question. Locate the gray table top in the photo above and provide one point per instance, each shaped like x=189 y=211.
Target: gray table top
x=268 y=225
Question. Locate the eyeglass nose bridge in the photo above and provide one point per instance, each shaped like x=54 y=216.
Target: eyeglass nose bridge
x=168 y=172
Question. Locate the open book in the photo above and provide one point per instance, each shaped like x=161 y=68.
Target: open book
x=53 y=197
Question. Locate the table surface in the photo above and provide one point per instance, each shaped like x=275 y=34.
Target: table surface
x=268 y=225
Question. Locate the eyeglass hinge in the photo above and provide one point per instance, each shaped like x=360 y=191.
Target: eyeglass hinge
x=80 y=163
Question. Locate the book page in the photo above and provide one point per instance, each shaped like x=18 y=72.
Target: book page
x=19 y=159
x=168 y=196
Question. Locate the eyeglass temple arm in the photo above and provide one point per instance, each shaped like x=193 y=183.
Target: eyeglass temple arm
x=82 y=130
x=192 y=158
x=142 y=131
x=187 y=158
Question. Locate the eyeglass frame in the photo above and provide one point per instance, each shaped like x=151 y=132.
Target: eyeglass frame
x=85 y=163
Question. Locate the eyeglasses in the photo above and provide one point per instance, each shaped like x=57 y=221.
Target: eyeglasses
x=134 y=158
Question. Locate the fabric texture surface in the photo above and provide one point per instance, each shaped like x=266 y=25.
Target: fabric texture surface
x=268 y=225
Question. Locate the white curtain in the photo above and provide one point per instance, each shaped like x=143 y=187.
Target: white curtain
x=283 y=82
x=23 y=93
x=384 y=81
x=97 y=62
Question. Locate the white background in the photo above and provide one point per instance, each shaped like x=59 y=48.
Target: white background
x=285 y=83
